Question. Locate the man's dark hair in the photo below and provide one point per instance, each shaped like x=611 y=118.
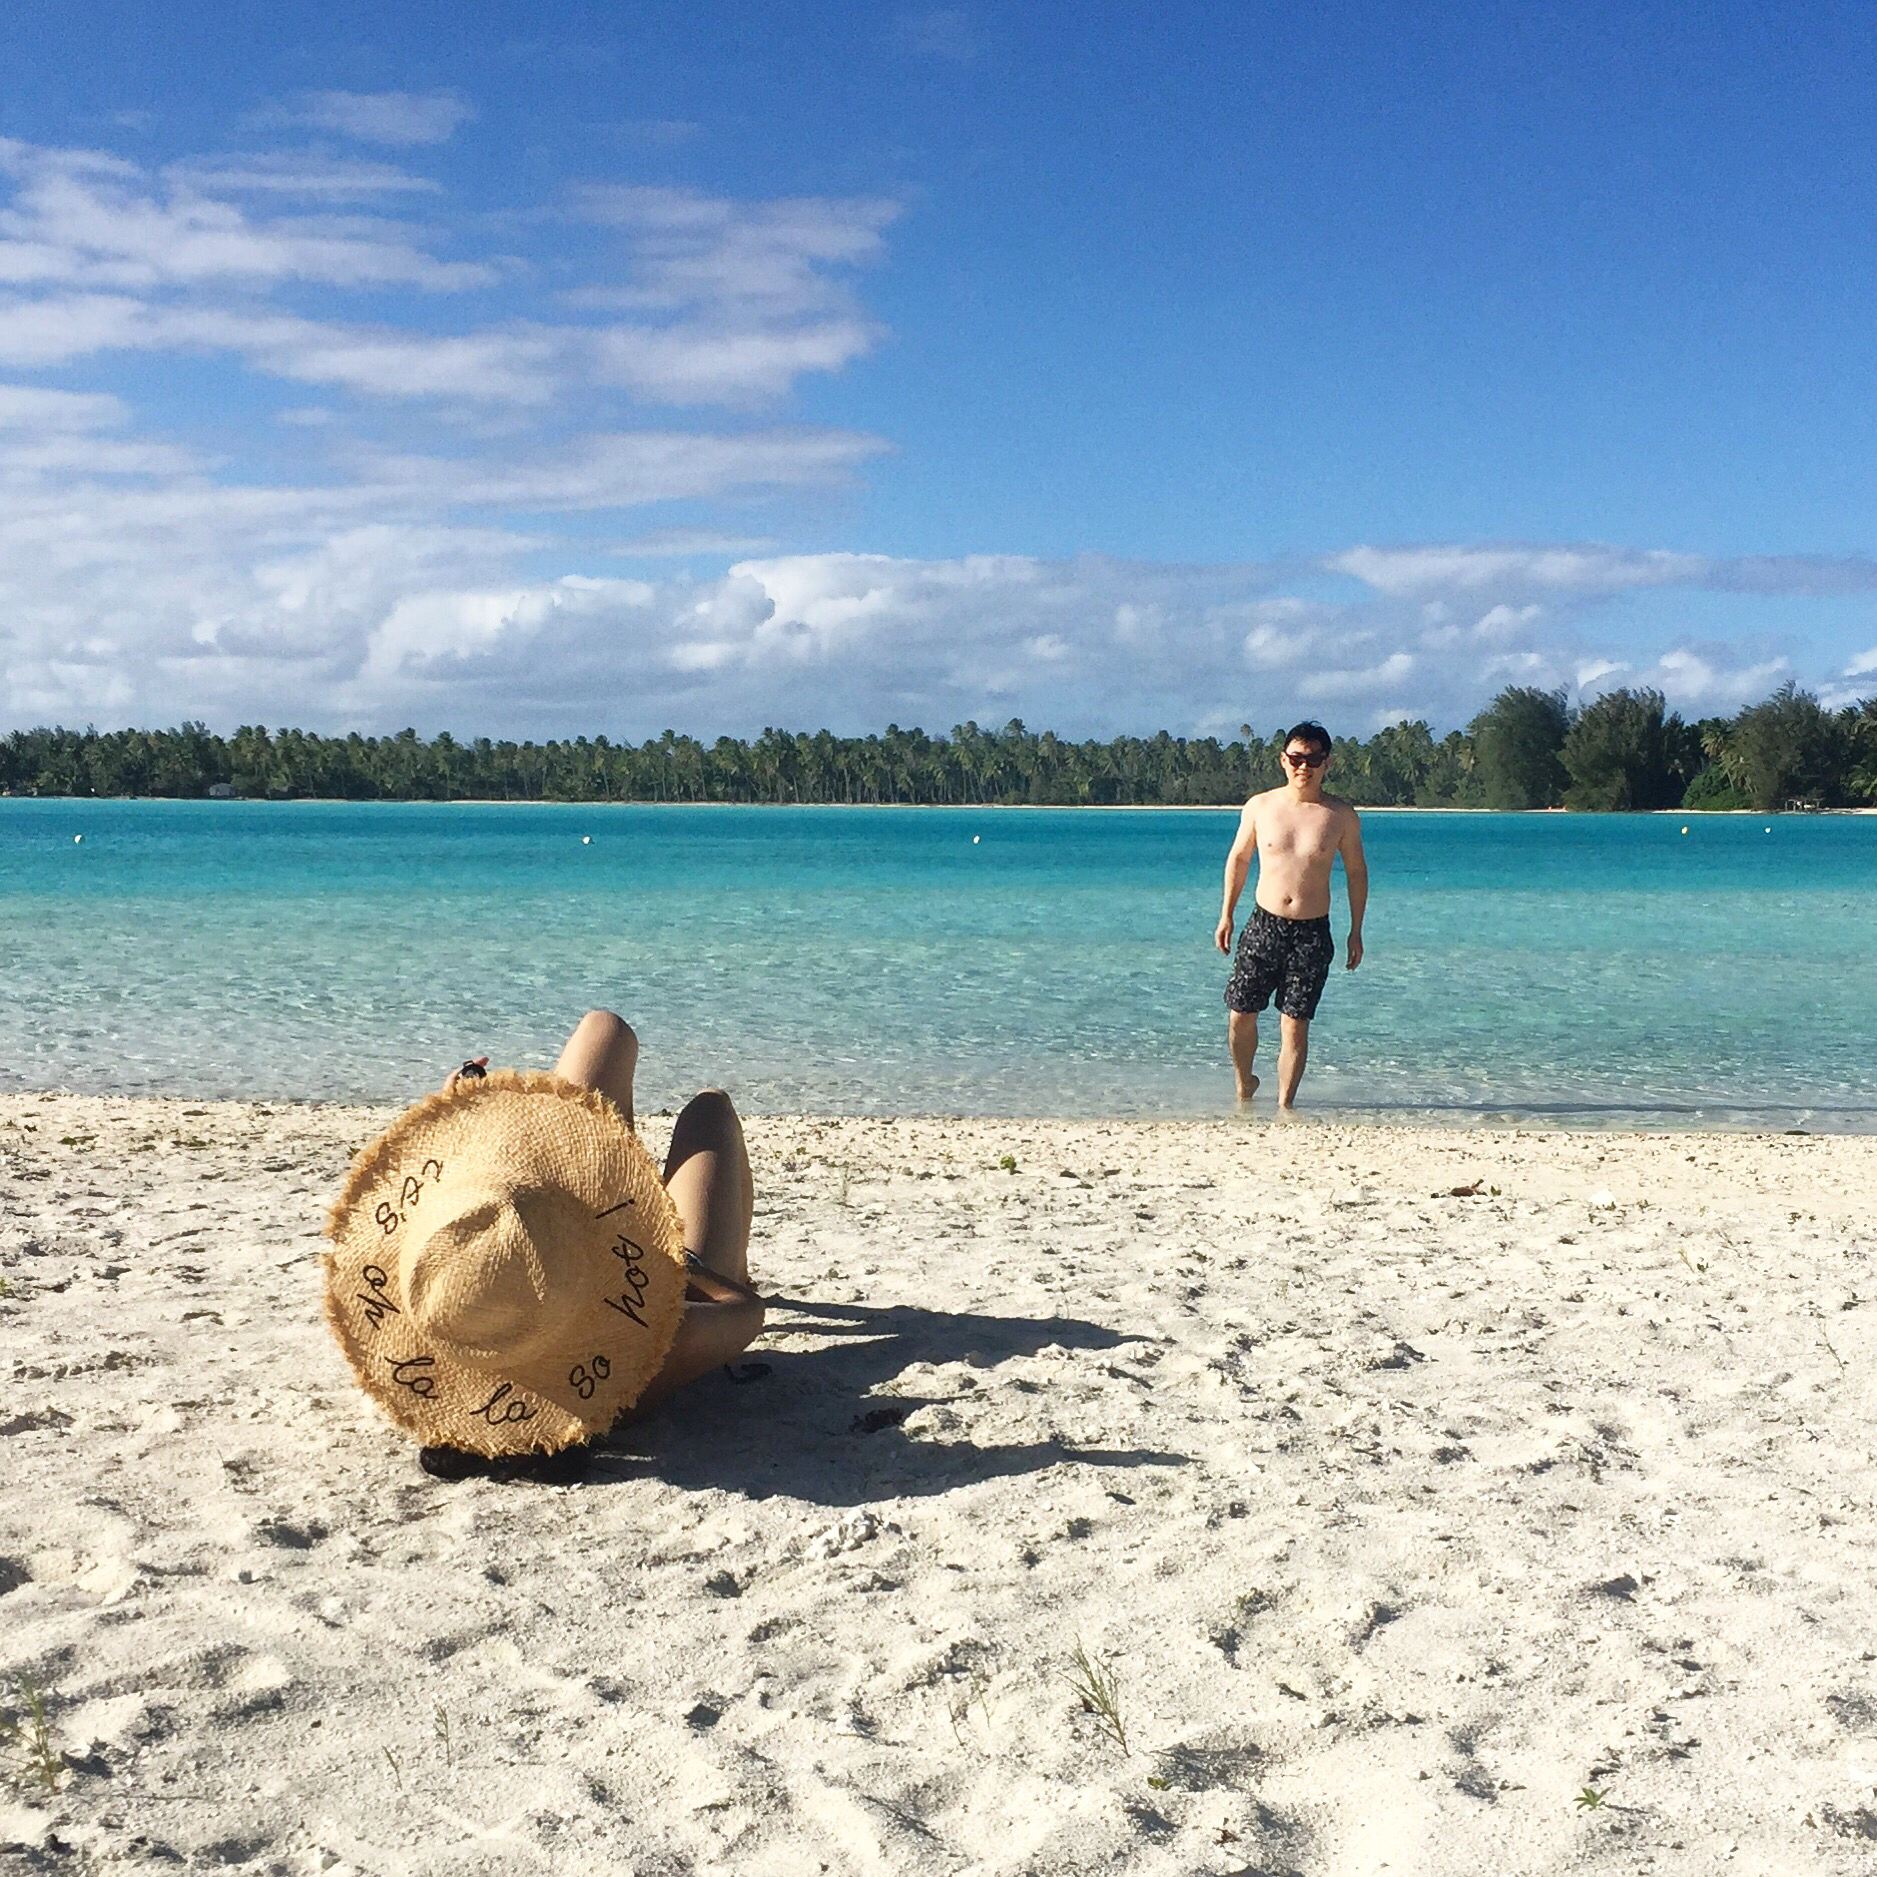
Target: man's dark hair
x=1310 y=732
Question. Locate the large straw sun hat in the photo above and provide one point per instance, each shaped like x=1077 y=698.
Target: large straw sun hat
x=507 y=1270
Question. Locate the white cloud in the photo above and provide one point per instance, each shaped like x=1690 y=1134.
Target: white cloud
x=53 y=435
x=402 y=118
x=1535 y=667
x=30 y=407
x=1284 y=631
x=1460 y=570
x=691 y=366
x=55 y=453
x=364 y=605
x=1386 y=716
x=1359 y=682
x=1697 y=684
x=82 y=219
x=1272 y=647
x=1796 y=574
x=688 y=250
x=737 y=299
x=39 y=333
x=1499 y=621
x=1863 y=662
x=1453 y=573
x=430 y=629
x=519 y=366
x=296 y=173
x=627 y=470
x=729 y=302
x=1137 y=625
x=676 y=543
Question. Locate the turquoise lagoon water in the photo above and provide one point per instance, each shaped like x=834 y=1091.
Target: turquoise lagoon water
x=1584 y=968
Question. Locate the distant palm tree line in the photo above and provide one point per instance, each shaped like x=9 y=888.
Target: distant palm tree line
x=1528 y=749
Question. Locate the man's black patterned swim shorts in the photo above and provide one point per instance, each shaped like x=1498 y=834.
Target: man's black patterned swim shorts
x=1290 y=957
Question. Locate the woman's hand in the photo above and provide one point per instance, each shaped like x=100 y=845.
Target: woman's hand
x=471 y=1071
x=703 y=1285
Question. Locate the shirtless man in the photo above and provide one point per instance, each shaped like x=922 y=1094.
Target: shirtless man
x=1286 y=946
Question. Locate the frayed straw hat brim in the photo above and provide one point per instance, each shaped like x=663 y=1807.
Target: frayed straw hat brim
x=507 y=1270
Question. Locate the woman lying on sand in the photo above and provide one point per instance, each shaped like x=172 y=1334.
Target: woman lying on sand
x=510 y=1272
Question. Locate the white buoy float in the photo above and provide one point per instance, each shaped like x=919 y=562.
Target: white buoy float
x=975 y=839
x=586 y=840
x=76 y=838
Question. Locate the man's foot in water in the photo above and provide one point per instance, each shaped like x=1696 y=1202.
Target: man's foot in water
x=1247 y=1089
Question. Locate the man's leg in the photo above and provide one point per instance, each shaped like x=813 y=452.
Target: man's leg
x=1241 y=1032
x=1293 y=1051
x=602 y=1053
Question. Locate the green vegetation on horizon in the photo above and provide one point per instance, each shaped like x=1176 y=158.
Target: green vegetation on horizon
x=1527 y=749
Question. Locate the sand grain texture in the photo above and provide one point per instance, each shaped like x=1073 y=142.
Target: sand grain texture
x=1400 y=1516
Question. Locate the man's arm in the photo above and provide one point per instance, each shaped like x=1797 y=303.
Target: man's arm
x=1237 y=866
x=1356 y=878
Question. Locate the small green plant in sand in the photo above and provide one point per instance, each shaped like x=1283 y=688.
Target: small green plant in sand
x=443 y=1735
x=1099 y=1689
x=397 y=1770
x=6 y=1289
x=1590 y=1799
x=977 y=1693
x=1008 y=1162
x=1694 y=1269
x=30 y=1736
x=1831 y=1349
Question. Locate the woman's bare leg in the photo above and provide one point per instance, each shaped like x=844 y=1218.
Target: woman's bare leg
x=707 y=1174
x=602 y=1053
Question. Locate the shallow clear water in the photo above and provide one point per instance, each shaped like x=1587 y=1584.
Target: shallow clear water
x=878 y=960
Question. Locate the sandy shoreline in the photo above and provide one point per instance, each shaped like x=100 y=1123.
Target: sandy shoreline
x=1402 y=1517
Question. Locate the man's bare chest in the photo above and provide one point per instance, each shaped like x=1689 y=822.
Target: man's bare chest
x=1299 y=836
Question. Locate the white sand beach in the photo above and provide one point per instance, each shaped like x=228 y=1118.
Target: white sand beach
x=1521 y=1529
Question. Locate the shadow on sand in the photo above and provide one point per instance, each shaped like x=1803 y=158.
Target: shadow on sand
x=810 y=1426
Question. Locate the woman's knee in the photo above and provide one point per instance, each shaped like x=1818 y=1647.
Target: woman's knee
x=602 y=1053
x=606 y=1029
x=603 y=1047
x=708 y=1118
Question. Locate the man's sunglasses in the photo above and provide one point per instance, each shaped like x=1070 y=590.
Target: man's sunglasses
x=1306 y=758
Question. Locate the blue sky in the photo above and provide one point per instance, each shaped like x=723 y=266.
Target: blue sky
x=557 y=368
